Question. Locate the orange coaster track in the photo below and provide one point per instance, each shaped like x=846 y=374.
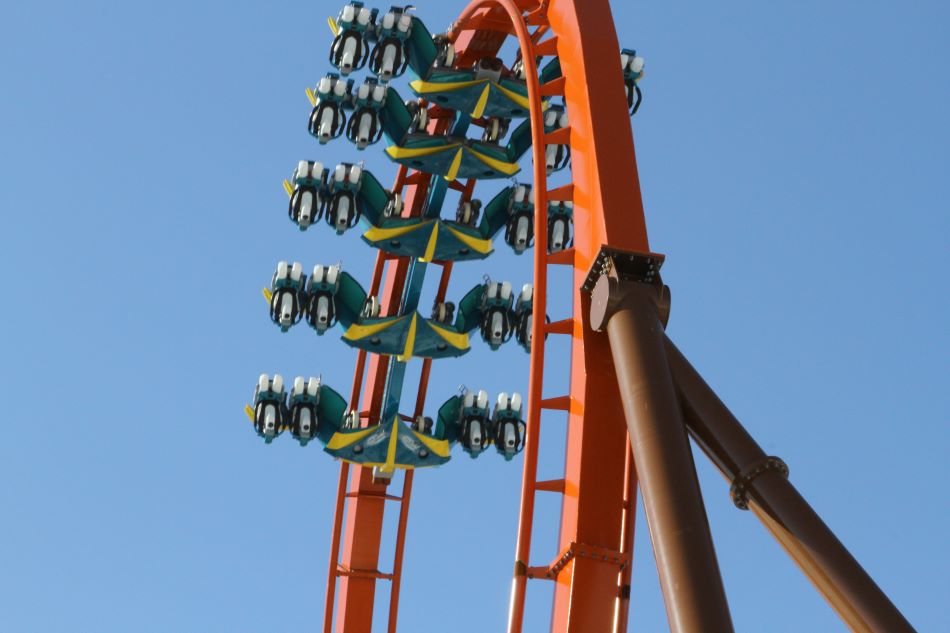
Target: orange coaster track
x=592 y=560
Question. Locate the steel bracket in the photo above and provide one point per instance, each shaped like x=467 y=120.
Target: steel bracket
x=625 y=265
x=579 y=550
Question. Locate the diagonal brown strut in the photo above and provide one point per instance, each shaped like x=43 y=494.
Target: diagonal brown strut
x=797 y=527
x=664 y=398
x=630 y=311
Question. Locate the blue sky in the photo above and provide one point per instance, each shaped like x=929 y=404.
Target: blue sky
x=794 y=166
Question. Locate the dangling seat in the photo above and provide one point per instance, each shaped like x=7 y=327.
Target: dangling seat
x=497 y=324
x=560 y=223
x=557 y=155
x=342 y=212
x=366 y=127
x=519 y=230
x=333 y=296
x=524 y=309
x=488 y=307
x=269 y=413
x=303 y=418
x=306 y=194
x=401 y=41
x=327 y=119
x=350 y=48
x=632 y=66
x=321 y=304
x=465 y=419
x=345 y=195
x=390 y=57
x=509 y=429
x=286 y=295
x=316 y=411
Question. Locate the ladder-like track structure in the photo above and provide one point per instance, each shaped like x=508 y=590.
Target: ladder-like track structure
x=591 y=562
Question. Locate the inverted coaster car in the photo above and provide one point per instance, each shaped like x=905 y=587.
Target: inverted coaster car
x=333 y=297
x=314 y=410
x=346 y=194
x=467 y=419
x=508 y=426
x=488 y=307
x=492 y=310
x=400 y=40
x=632 y=66
x=270 y=407
x=328 y=297
x=286 y=295
x=379 y=111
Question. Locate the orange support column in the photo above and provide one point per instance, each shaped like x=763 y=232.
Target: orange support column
x=366 y=503
x=588 y=588
x=607 y=210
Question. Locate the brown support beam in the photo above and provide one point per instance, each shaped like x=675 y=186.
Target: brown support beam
x=761 y=484
x=685 y=558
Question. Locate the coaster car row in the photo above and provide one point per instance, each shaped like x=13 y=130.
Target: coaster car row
x=402 y=42
x=349 y=193
x=314 y=411
x=377 y=110
x=330 y=296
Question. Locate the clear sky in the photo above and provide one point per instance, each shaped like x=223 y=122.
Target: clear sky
x=794 y=166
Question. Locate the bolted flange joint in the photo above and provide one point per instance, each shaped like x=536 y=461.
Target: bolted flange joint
x=739 y=490
x=618 y=277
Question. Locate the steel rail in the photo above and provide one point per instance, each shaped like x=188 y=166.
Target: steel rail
x=533 y=422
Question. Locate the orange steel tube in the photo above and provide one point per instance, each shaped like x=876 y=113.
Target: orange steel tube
x=400 y=550
x=407 y=478
x=345 y=467
x=625 y=225
x=364 y=521
x=607 y=180
x=335 y=547
x=607 y=210
x=523 y=547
